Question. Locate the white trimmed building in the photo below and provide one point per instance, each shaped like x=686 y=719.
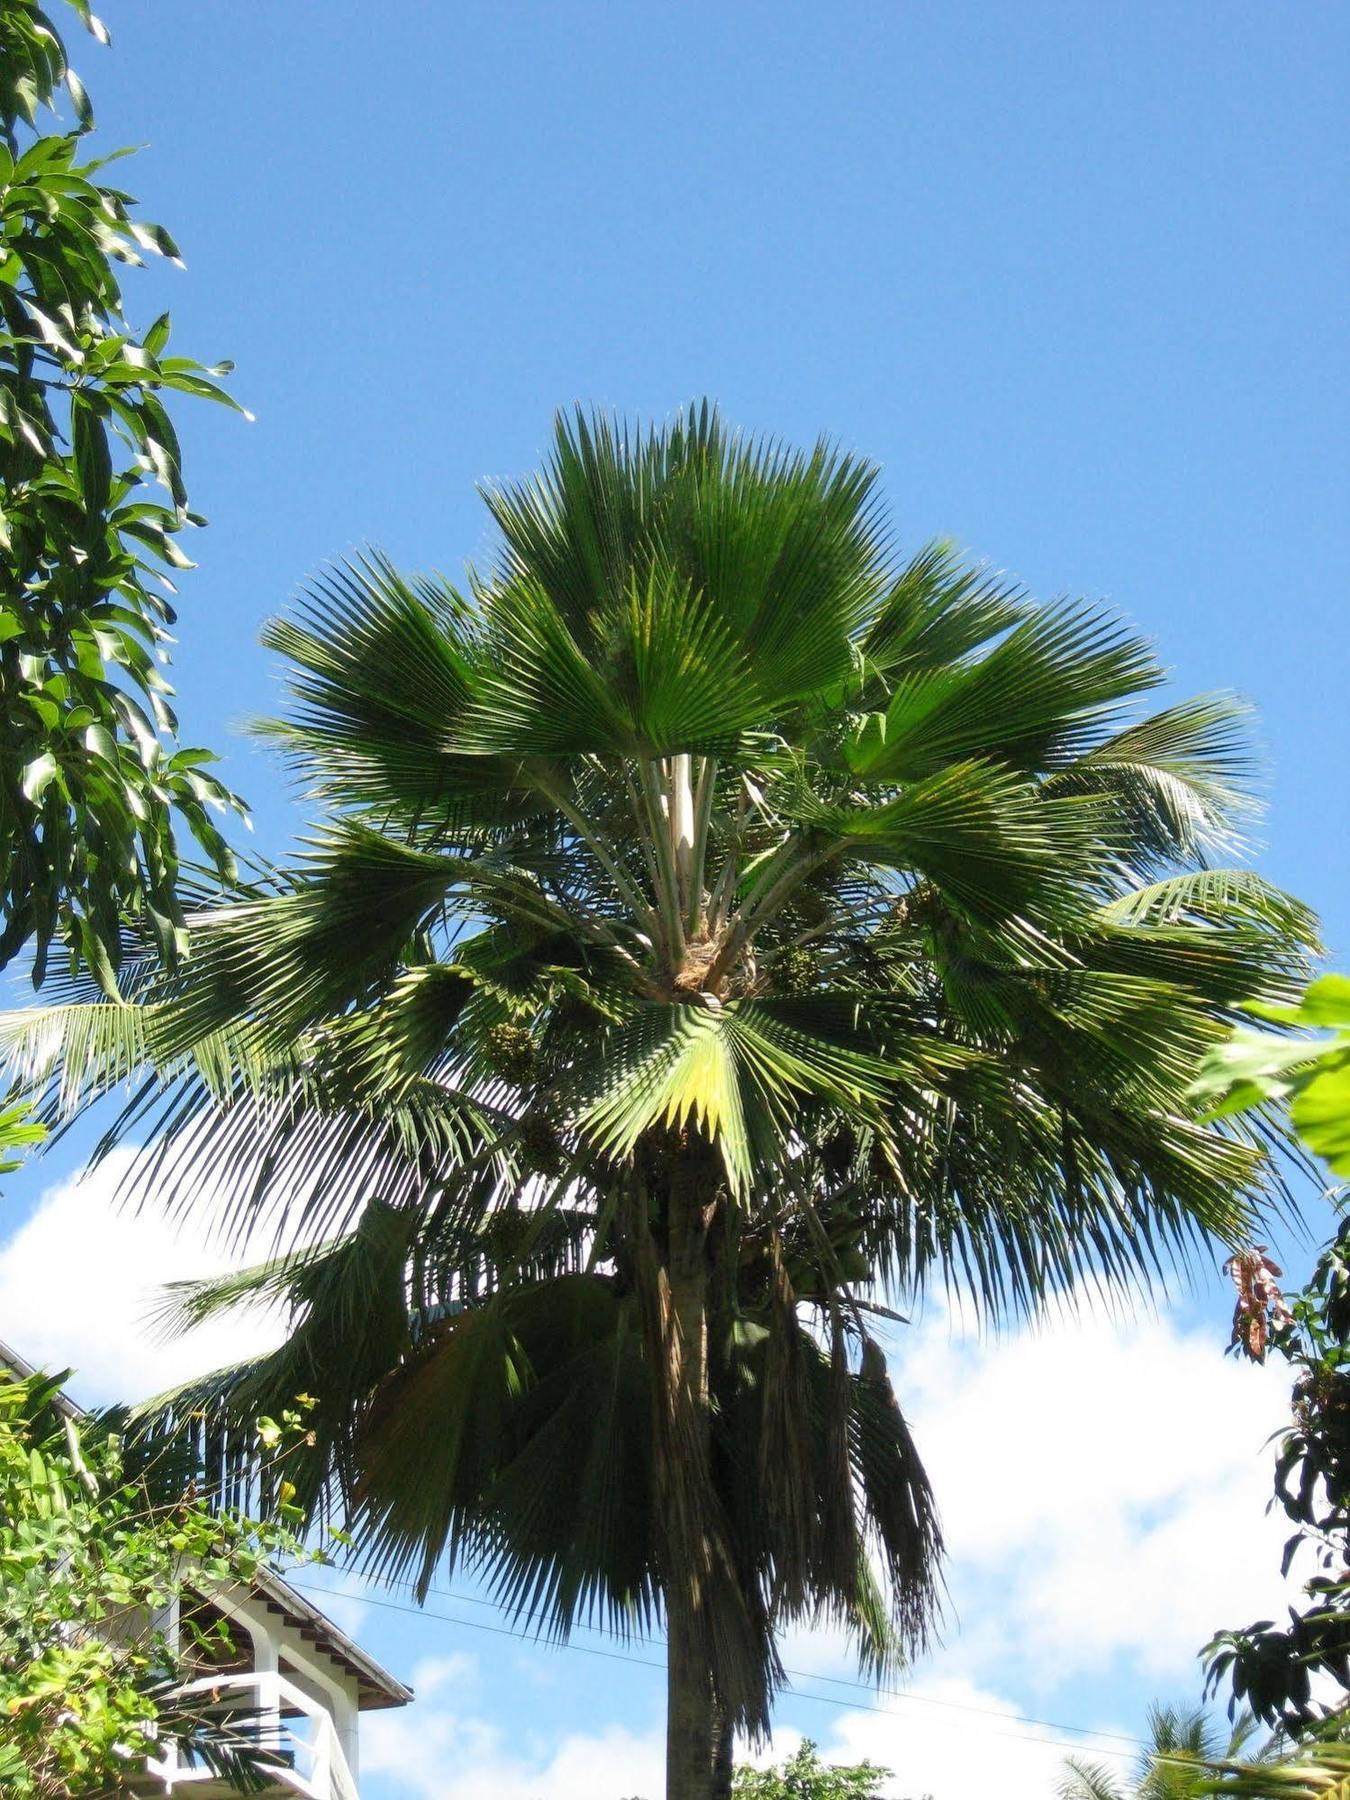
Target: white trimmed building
x=287 y=1665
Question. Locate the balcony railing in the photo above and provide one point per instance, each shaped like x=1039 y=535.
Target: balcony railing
x=311 y=1760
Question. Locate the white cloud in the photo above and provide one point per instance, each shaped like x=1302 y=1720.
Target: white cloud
x=958 y=1741
x=1103 y=1490
x=79 y=1276
x=951 y=1739
x=444 y=1754
x=330 y=1586
x=820 y=1650
x=458 y=1671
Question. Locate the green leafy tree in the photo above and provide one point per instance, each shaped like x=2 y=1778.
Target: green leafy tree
x=1316 y=1768
x=1277 y=1667
x=1311 y=1074
x=1283 y=1670
x=805 y=1777
x=92 y=508
x=1179 y=1762
x=19 y=1132
x=711 y=918
x=89 y=1554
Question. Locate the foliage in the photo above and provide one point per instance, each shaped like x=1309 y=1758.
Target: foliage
x=1316 y=1768
x=1273 y=1666
x=1313 y=1076
x=90 y=776
x=88 y=1554
x=1177 y=1764
x=711 y=917
x=805 y=1777
x=19 y=1132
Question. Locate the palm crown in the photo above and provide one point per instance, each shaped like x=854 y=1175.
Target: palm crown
x=1180 y=1761
x=710 y=917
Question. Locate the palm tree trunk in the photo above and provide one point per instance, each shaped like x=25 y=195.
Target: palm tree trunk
x=724 y=1744
x=689 y=1702
x=687 y=1482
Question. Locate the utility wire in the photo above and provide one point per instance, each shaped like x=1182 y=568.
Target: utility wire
x=647 y=1662
x=801 y=1674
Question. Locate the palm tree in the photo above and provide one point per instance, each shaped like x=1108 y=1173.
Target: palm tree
x=1180 y=1762
x=1314 y=1767
x=710 y=919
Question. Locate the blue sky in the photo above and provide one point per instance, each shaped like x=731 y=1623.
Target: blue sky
x=1075 y=276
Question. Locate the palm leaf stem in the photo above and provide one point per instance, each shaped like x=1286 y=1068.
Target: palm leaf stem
x=767 y=897
x=594 y=839
x=704 y=796
x=728 y=876
x=554 y=915
x=724 y=888
x=681 y=816
x=641 y=820
x=668 y=885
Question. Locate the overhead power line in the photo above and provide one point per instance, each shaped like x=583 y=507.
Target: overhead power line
x=647 y=1662
x=801 y=1674
x=862 y=1687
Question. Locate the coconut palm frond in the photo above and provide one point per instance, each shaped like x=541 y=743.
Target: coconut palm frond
x=1317 y=1768
x=1088 y=1781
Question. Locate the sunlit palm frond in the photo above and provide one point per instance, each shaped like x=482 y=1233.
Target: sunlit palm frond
x=383 y=672
x=1036 y=701
x=936 y=613
x=1219 y=897
x=1316 y=1769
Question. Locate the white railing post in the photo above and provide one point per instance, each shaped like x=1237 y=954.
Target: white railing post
x=268 y=1672
x=343 y=1781
x=347 y=1729
x=269 y=1708
x=321 y=1769
x=165 y=1765
x=329 y=1776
